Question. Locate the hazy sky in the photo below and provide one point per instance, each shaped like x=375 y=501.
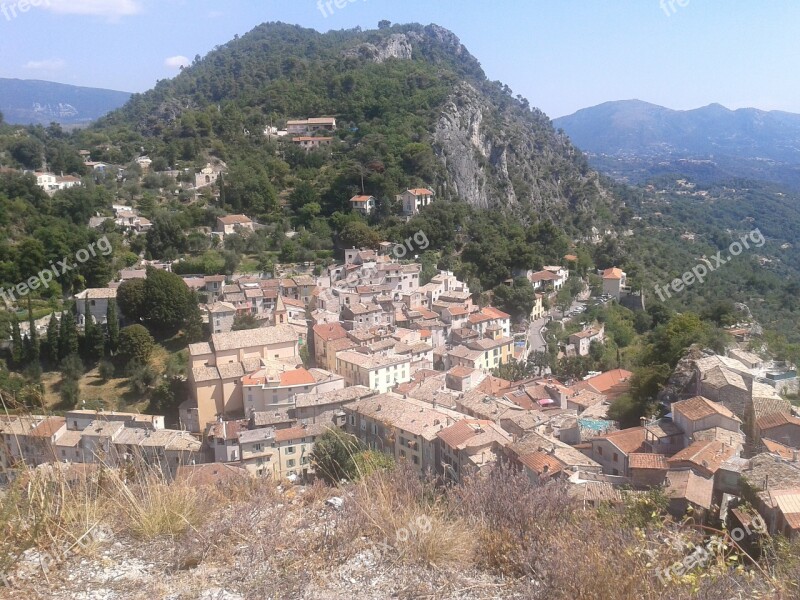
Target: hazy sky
x=560 y=54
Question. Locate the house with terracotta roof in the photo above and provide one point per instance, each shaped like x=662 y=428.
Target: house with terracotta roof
x=413 y=200
x=705 y=457
x=582 y=340
x=257 y=454
x=405 y=428
x=222 y=439
x=688 y=489
x=221 y=316
x=216 y=369
x=612 y=384
x=530 y=453
x=377 y=372
x=721 y=384
x=489 y=317
x=780 y=509
x=363 y=204
x=276 y=389
x=612 y=450
x=316 y=405
x=779 y=427
x=39 y=443
x=614 y=282
x=698 y=414
x=323 y=335
x=646 y=469
x=232 y=223
x=309 y=143
x=293 y=448
x=469 y=445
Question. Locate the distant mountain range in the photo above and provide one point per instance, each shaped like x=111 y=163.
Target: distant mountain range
x=25 y=101
x=632 y=140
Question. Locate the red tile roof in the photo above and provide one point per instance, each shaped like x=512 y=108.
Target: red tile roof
x=643 y=460
x=613 y=273
x=628 y=441
x=541 y=463
x=48 y=427
x=297 y=377
x=330 y=331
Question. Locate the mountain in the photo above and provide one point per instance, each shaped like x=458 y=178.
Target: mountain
x=635 y=139
x=411 y=102
x=42 y=102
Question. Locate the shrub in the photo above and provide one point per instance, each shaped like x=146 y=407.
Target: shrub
x=106 y=370
x=135 y=344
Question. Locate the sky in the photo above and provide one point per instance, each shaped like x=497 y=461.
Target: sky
x=562 y=55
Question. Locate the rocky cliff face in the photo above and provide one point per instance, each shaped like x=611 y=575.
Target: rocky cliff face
x=396 y=46
x=502 y=154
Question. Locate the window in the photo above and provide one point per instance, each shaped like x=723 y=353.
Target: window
x=600 y=450
x=257 y=448
x=616 y=457
x=290 y=450
x=352 y=420
x=290 y=463
x=363 y=425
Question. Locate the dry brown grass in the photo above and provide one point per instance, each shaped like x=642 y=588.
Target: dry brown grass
x=149 y=506
x=399 y=511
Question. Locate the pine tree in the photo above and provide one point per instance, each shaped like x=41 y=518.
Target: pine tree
x=68 y=335
x=17 y=349
x=32 y=353
x=194 y=325
x=51 y=345
x=112 y=327
x=93 y=339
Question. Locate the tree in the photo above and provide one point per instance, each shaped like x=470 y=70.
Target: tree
x=358 y=234
x=17 y=351
x=67 y=335
x=32 y=353
x=71 y=367
x=131 y=299
x=106 y=370
x=112 y=326
x=564 y=300
x=245 y=321
x=168 y=301
x=51 y=341
x=135 y=344
x=94 y=342
x=334 y=456
x=143 y=377
x=194 y=325
x=514 y=370
x=517 y=299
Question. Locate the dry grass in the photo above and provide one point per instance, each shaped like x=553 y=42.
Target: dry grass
x=151 y=507
x=500 y=534
x=398 y=510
